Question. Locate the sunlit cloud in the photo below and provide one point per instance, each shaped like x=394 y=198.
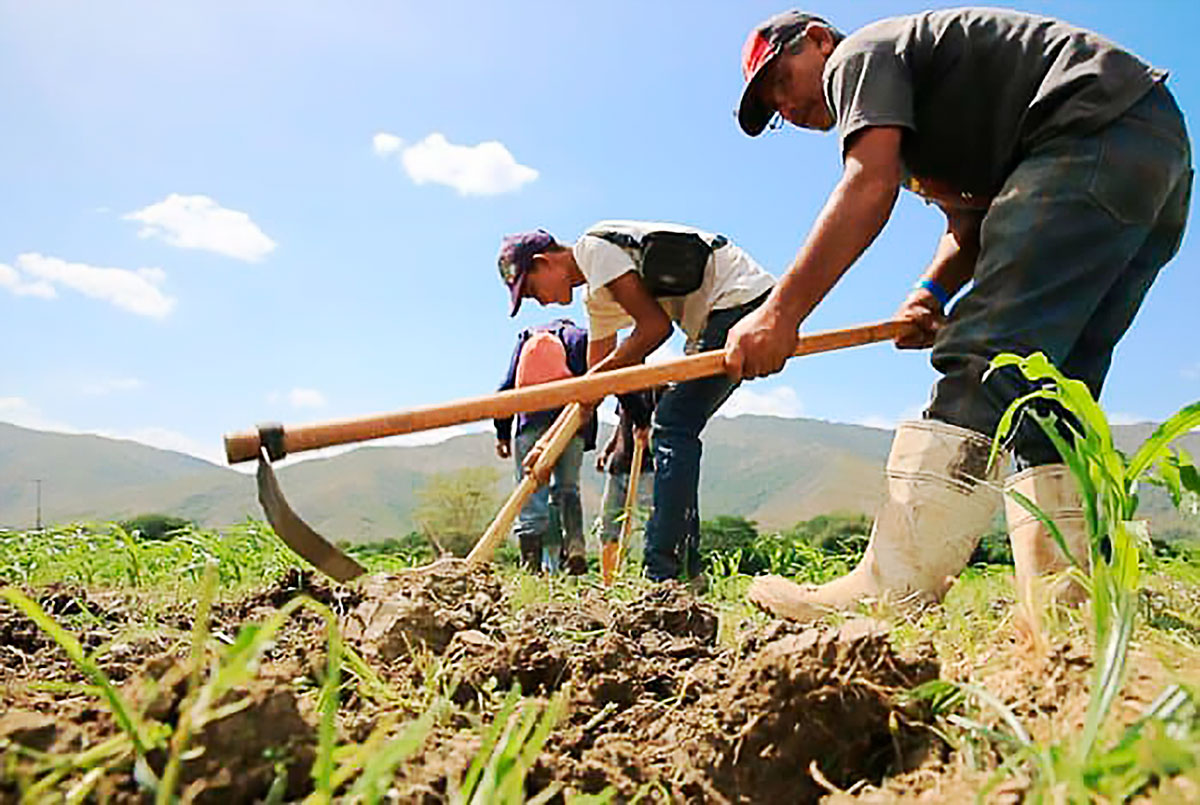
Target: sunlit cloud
x=298 y=398
x=1124 y=418
x=781 y=401
x=199 y=222
x=383 y=143
x=485 y=169
x=23 y=413
x=136 y=291
x=885 y=422
x=306 y=398
x=19 y=285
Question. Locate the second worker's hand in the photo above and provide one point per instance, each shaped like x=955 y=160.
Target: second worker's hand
x=760 y=343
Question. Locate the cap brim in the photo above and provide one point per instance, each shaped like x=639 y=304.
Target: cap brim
x=754 y=115
x=518 y=293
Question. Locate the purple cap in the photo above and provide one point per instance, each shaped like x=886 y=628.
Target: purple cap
x=516 y=258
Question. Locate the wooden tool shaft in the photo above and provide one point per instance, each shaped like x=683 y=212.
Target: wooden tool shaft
x=635 y=477
x=551 y=446
x=244 y=445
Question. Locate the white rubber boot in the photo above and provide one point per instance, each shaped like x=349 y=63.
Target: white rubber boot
x=940 y=499
x=1035 y=553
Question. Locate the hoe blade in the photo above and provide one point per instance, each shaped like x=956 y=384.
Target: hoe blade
x=298 y=535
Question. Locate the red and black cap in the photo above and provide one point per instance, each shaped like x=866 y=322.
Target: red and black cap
x=762 y=47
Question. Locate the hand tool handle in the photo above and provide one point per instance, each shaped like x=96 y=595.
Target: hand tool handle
x=635 y=477
x=244 y=445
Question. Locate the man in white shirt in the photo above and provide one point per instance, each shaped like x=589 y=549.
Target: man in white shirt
x=652 y=276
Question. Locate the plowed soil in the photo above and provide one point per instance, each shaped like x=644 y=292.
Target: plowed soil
x=654 y=705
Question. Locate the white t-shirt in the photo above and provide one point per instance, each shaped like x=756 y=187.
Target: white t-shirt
x=731 y=278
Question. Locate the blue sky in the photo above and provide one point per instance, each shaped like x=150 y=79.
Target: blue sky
x=219 y=213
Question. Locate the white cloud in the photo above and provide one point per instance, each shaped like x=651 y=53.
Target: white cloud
x=100 y=388
x=1121 y=418
x=1191 y=372
x=298 y=398
x=429 y=436
x=485 y=169
x=199 y=222
x=886 y=422
x=21 y=412
x=134 y=290
x=11 y=278
x=167 y=439
x=384 y=143
x=306 y=398
x=779 y=401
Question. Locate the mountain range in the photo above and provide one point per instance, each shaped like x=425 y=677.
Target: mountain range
x=772 y=470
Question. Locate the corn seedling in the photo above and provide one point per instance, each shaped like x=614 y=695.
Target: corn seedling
x=1108 y=484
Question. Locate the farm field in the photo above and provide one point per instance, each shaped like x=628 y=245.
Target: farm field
x=214 y=668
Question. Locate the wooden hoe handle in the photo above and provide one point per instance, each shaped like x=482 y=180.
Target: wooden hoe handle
x=280 y=441
x=631 y=492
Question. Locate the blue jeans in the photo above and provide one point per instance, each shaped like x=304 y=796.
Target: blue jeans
x=1069 y=248
x=673 y=532
x=534 y=520
x=612 y=506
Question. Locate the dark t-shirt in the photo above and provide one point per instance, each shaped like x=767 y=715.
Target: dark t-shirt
x=977 y=89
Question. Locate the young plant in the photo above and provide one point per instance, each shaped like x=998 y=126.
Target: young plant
x=1108 y=484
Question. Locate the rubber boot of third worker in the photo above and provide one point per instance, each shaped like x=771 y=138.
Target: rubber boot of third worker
x=570 y=510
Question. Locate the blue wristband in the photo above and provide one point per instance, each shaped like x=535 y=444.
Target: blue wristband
x=935 y=288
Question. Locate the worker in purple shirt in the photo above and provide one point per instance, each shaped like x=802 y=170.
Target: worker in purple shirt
x=545 y=353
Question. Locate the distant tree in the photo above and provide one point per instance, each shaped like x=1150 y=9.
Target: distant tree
x=453 y=508
x=727 y=533
x=838 y=534
x=155 y=526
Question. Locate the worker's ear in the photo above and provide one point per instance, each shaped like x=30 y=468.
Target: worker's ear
x=821 y=36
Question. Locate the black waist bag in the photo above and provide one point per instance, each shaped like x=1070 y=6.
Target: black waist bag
x=673 y=263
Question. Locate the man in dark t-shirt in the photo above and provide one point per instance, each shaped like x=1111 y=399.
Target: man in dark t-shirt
x=1063 y=167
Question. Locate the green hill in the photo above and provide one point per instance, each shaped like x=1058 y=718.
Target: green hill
x=775 y=471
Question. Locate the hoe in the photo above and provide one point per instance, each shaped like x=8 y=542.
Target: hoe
x=271 y=442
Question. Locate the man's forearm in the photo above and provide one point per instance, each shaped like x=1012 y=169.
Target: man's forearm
x=851 y=219
x=633 y=350
x=953 y=263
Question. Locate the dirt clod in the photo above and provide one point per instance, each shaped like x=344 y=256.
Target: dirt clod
x=422 y=608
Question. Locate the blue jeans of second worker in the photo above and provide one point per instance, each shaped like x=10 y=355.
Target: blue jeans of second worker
x=534 y=520
x=1069 y=248
x=673 y=532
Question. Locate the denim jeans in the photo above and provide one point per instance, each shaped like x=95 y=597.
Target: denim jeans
x=612 y=506
x=1069 y=248
x=673 y=532
x=534 y=520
